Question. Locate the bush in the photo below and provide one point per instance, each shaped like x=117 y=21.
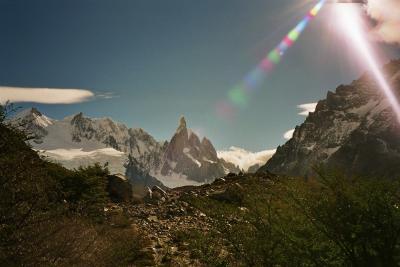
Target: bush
x=51 y=216
x=329 y=221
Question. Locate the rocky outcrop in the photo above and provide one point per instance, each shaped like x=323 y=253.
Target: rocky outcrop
x=354 y=129
x=119 y=188
x=253 y=168
x=140 y=179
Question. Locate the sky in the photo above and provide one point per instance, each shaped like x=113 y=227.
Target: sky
x=147 y=62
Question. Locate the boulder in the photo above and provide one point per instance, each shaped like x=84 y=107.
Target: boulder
x=119 y=188
x=233 y=194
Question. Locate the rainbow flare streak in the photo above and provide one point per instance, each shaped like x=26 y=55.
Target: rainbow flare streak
x=239 y=95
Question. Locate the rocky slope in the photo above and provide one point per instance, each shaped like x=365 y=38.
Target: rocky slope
x=354 y=129
x=79 y=140
x=165 y=214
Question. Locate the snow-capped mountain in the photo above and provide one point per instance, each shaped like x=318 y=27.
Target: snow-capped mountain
x=34 y=122
x=187 y=158
x=353 y=129
x=79 y=140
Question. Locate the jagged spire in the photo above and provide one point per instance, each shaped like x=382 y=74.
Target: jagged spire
x=182 y=124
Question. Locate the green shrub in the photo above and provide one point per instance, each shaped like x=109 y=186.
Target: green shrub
x=332 y=220
x=51 y=216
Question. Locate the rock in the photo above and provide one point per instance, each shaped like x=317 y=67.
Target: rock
x=119 y=188
x=152 y=218
x=219 y=180
x=244 y=209
x=238 y=187
x=159 y=191
x=149 y=194
x=232 y=194
x=230 y=175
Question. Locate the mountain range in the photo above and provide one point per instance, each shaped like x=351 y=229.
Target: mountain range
x=79 y=140
x=354 y=130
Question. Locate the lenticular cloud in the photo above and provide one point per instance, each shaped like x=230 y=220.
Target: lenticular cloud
x=44 y=95
x=387 y=15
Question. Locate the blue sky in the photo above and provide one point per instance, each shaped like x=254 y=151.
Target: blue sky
x=162 y=59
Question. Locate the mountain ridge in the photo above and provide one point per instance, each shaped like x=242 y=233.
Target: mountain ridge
x=184 y=159
x=354 y=130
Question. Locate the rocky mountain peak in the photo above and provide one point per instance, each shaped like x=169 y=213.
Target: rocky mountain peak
x=36 y=112
x=182 y=124
x=354 y=130
x=77 y=118
x=187 y=155
x=206 y=142
x=33 y=118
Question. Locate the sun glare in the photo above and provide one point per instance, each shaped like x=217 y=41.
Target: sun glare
x=351 y=24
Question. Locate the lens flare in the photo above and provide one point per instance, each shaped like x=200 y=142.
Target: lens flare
x=351 y=24
x=239 y=95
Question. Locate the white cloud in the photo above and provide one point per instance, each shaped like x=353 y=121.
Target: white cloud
x=106 y=95
x=44 y=95
x=245 y=159
x=289 y=134
x=307 y=108
x=386 y=14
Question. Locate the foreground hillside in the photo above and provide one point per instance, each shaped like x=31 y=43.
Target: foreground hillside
x=51 y=216
x=266 y=220
x=353 y=129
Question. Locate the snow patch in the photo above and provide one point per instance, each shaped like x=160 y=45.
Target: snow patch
x=43 y=120
x=193 y=159
x=69 y=154
x=208 y=160
x=75 y=158
x=186 y=151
